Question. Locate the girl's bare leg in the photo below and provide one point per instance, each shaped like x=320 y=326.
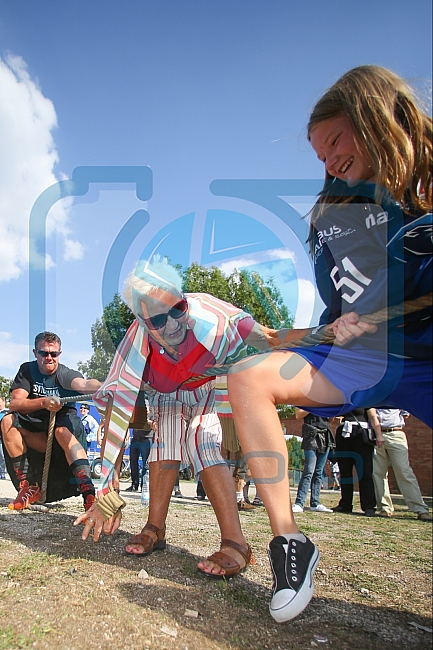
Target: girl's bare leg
x=255 y=387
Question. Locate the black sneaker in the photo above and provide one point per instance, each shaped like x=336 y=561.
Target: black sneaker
x=293 y=564
x=340 y=508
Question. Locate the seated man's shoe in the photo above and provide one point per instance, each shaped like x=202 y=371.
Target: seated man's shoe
x=89 y=501
x=424 y=516
x=293 y=564
x=341 y=509
x=243 y=506
x=27 y=495
x=383 y=513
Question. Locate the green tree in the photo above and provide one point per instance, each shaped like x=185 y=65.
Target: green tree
x=296 y=455
x=106 y=334
x=285 y=411
x=244 y=289
x=5 y=386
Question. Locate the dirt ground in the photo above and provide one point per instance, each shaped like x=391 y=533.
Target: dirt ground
x=57 y=592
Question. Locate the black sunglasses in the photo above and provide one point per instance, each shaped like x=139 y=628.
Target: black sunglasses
x=45 y=354
x=160 y=320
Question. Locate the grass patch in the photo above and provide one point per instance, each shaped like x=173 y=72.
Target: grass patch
x=10 y=639
x=32 y=567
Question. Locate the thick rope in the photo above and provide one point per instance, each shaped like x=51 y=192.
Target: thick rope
x=50 y=438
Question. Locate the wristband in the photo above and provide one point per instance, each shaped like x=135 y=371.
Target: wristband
x=110 y=503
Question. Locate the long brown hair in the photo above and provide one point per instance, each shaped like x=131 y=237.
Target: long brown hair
x=390 y=126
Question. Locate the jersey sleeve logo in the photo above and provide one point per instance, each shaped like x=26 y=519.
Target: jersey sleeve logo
x=416 y=237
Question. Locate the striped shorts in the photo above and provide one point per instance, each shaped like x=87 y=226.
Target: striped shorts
x=187 y=427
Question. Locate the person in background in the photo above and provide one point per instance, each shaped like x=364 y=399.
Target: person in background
x=3 y=412
x=335 y=473
x=100 y=433
x=394 y=452
x=317 y=440
x=140 y=441
x=90 y=425
x=232 y=453
x=353 y=451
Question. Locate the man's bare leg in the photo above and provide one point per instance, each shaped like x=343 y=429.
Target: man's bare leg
x=78 y=462
x=70 y=445
x=219 y=486
x=162 y=477
x=16 y=440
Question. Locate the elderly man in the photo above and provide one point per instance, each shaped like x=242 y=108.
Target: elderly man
x=174 y=340
x=34 y=395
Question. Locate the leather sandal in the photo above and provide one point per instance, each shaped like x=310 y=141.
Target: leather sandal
x=229 y=564
x=151 y=539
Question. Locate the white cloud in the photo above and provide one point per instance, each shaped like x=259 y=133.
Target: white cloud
x=12 y=354
x=228 y=267
x=28 y=158
x=73 y=250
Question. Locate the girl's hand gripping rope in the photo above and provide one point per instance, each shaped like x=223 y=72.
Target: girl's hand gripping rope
x=349 y=326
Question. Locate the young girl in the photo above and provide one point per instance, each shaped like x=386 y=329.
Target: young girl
x=371 y=244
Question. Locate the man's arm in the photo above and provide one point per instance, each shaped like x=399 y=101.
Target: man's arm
x=85 y=386
x=374 y=421
x=21 y=404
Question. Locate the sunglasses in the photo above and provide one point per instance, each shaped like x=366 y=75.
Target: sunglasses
x=45 y=354
x=160 y=320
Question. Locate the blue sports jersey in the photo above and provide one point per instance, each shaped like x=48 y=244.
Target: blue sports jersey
x=369 y=256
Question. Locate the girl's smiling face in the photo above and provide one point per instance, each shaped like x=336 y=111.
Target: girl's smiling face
x=334 y=142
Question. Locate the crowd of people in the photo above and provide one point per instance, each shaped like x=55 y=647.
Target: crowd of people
x=367 y=442
x=370 y=355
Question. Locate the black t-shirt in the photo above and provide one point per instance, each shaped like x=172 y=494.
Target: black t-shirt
x=37 y=385
x=317 y=421
x=357 y=415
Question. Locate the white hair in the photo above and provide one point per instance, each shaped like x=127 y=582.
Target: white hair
x=148 y=277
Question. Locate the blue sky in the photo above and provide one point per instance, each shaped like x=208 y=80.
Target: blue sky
x=197 y=91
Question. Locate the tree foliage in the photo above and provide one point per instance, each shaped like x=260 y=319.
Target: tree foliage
x=106 y=334
x=5 y=386
x=296 y=455
x=245 y=290
x=285 y=411
x=248 y=291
